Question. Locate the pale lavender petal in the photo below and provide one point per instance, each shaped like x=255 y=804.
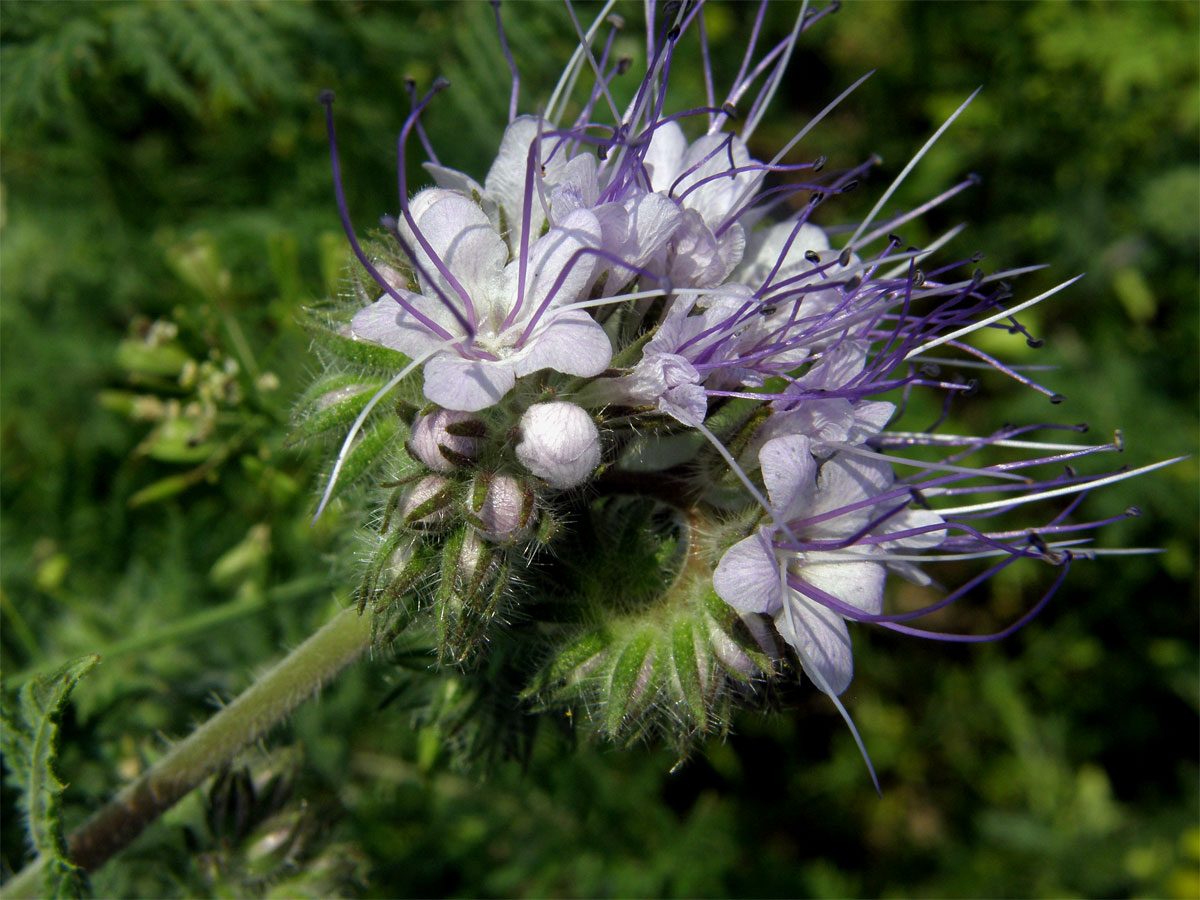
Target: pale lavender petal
x=859 y=584
x=820 y=639
x=468 y=385
x=789 y=472
x=664 y=157
x=555 y=252
x=747 y=577
x=386 y=323
x=571 y=342
x=461 y=235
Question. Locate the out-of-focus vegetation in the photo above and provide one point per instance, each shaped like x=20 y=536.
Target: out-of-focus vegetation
x=167 y=213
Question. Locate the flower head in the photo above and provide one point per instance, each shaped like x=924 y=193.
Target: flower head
x=634 y=267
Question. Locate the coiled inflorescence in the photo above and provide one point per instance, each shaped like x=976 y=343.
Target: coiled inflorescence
x=632 y=349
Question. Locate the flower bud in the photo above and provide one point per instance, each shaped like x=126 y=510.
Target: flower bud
x=559 y=443
x=444 y=439
x=503 y=508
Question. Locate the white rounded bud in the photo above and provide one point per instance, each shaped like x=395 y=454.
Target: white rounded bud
x=430 y=435
x=559 y=443
x=505 y=511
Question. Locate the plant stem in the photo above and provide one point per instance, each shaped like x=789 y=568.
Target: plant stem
x=297 y=677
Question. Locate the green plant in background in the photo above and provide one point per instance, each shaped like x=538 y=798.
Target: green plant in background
x=1037 y=789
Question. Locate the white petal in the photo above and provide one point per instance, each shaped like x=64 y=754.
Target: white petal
x=789 y=472
x=664 y=156
x=461 y=236
x=573 y=342
x=556 y=254
x=821 y=641
x=385 y=322
x=468 y=385
x=505 y=182
x=859 y=584
x=747 y=577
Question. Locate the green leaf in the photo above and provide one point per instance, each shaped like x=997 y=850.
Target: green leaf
x=358 y=353
x=29 y=740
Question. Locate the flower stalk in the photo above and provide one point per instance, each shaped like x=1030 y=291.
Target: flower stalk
x=212 y=746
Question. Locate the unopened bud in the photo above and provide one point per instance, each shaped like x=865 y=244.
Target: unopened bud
x=559 y=443
x=503 y=508
x=444 y=439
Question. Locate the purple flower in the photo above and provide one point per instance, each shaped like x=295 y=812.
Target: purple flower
x=828 y=510
x=516 y=327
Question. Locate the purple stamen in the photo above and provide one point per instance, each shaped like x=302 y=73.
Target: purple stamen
x=512 y=65
x=326 y=98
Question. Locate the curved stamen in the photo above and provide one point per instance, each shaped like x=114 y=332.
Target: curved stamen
x=343 y=211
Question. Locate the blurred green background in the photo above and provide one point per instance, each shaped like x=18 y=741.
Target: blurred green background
x=167 y=212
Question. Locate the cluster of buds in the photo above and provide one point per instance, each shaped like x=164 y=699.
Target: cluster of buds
x=643 y=353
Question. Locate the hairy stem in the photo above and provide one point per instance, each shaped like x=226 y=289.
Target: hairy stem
x=296 y=678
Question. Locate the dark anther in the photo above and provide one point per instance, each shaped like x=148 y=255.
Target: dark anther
x=1057 y=398
x=895 y=239
x=1119 y=440
x=1083 y=427
x=972 y=387
x=410 y=83
x=601 y=151
x=930 y=370
x=844 y=257
x=835 y=6
x=326 y=96
x=812 y=256
x=974 y=178
x=623 y=64
x=819 y=163
x=854 y=284
x=768 y=310
x=616 y=21
x=976 y=278
x=1039 y=542
x=495 y=4
x=875 y=160
x=440 y=83
x=816 y=198
x=919 y=498
x=978 y=256
x=912 y=249
x=1133 y=511
x=671 y=10
x=849 y=186
x=1071 y=471
x=1035 y=343
x=729 y=109
x=918 y=278
x=673 y=34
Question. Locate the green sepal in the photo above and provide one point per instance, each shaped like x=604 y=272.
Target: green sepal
x=625 y=673
x=367 y=452
x=342 y=413
x=357 y=353
x=571 y=665
x=687 y=670
x=29 y=740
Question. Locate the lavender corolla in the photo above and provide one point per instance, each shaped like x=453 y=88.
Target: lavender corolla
x=652 y=408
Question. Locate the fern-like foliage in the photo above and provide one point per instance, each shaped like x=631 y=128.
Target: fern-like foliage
x=198 y=56
x=29 y=740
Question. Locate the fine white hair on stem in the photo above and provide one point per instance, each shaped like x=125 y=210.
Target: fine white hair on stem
x=912 y=164
x=984 y=322
x=362 y=417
